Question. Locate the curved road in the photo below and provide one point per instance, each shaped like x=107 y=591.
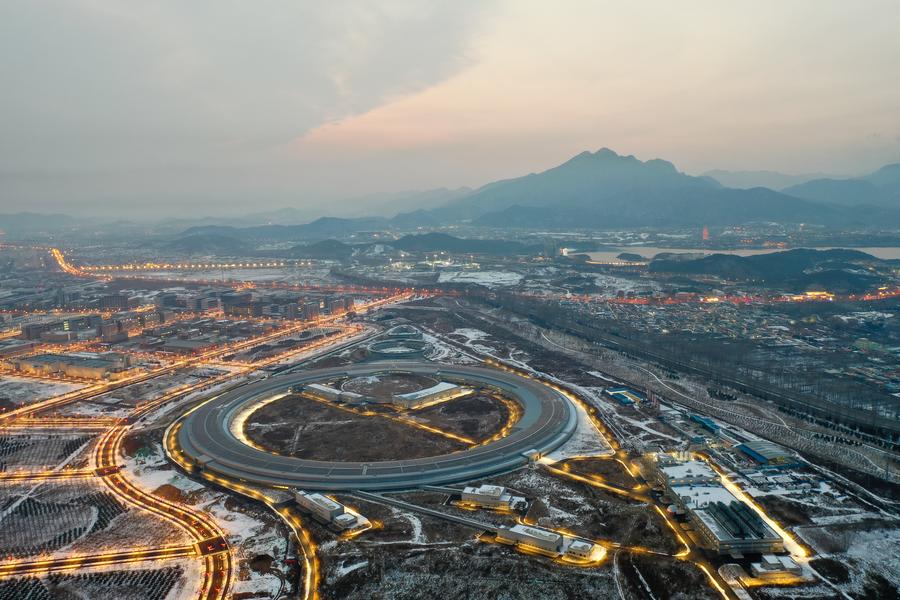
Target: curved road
x=206 y=441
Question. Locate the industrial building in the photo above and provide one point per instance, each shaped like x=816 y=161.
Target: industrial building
x=580 y=549
x=549 y=543
x=671 y=472
x=14 y=347
x=706 y=423
x=542 y=541
x=722 y=521
x=326 y=510
x=768 y=454
x=492 y=496
x=325 y=392
x=735 y=529
x=771 y=567
x=440 y=392
x=82 y=365
x=624 y=396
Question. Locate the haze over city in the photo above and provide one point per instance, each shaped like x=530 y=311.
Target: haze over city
x=171 y=109
x=409 y=300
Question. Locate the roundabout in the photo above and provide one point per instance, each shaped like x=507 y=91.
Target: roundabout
x=209 y=440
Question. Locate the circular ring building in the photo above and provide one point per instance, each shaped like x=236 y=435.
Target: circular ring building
x=207 y=440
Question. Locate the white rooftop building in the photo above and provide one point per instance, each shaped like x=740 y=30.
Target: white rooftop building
x=491 y=496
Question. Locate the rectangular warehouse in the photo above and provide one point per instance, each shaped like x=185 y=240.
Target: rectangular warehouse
x=735 y=529
x=541 y=540
x=491 y=496
x=440 y=392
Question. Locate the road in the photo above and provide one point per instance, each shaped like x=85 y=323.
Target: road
x=72 y=563
x=201 y=528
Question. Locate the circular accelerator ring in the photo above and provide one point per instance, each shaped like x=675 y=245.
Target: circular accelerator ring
x=206 y=439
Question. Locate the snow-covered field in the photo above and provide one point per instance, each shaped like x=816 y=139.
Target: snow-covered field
x=485 y=278
x=249 y=535
x=586 y=441
x=24 y=390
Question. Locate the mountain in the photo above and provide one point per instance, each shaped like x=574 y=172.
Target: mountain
x=586 y=180
x=441 y=242
x=603 y=189
x=401 y=202
x=325 y=249
x=323 y=228
x=209 y=243
x=837 y=270
x=672 y=208
x=881 y=188
x=31 y=222
x=768 y=179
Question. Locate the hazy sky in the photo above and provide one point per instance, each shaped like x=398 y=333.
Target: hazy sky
x=168 y=107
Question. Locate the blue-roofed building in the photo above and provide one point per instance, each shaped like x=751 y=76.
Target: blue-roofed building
x=624 y=396
x=706 y=423
x=768 y=454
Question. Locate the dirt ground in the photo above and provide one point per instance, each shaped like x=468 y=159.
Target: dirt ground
x=478 y=416
x=589 y=511
x=303 y=428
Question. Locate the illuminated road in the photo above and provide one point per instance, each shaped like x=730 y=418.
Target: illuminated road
x=100 y=389
x=73 y=563
x=201 y=528
x=210 y=544
x=14 y=476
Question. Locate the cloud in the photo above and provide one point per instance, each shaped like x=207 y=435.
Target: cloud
x=102 y=87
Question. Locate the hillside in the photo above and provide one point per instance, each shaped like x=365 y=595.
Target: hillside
x=441 y=242
x=325 y=249
x=881 y=188
x=751 y=179
x=211 y=243
x=836 y=270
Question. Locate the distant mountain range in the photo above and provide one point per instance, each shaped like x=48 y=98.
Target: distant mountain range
x=593 y=190
x=751 y=179
x=33 y=222
x=606 y=190
x=602 y=190
x=881 y=188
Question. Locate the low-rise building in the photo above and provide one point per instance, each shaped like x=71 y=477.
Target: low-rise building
x=491 y=496
x=580 y=549
x=532 y=538
x=439 y=392
x=82 y=365
x=326 y=510
x=771 y=566
x=724 y=523
x=767 y=454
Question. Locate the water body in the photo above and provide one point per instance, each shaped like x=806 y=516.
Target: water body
x=610 y=256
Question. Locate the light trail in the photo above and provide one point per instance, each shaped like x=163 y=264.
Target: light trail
x=204 y=531
x=61 y=474
x=62 y=422
x=75 y=562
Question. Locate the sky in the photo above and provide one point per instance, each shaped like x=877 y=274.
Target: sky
x=220 y=107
